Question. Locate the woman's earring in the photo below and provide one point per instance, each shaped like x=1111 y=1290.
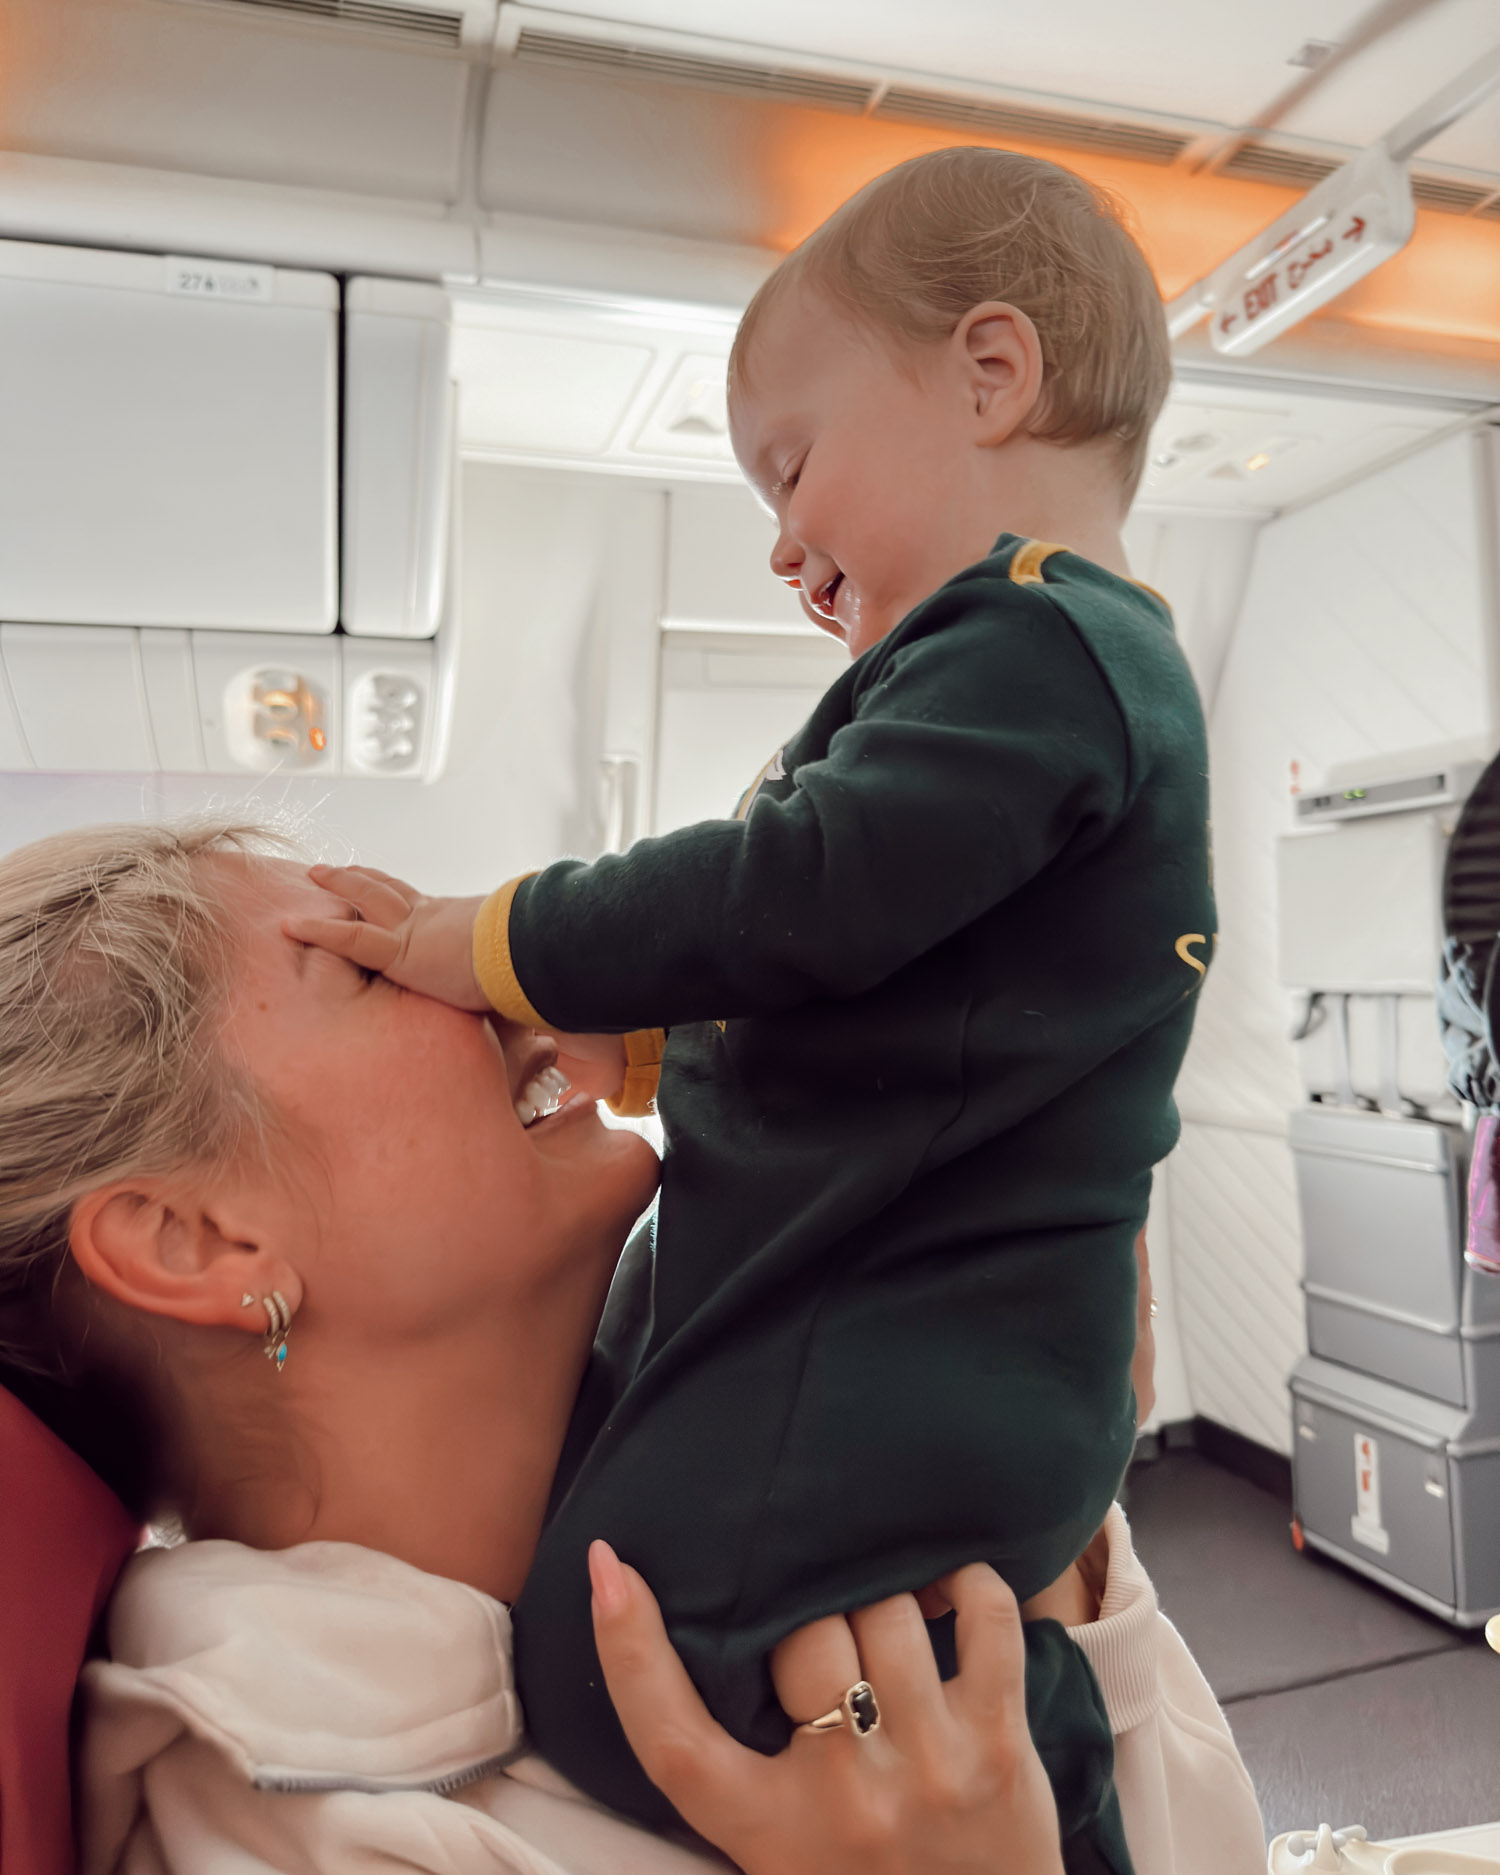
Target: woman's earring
x=280 y=1318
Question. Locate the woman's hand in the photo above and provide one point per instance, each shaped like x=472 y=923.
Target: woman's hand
x=949 y=1784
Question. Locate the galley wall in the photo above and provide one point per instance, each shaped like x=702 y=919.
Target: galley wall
x=1361 y=634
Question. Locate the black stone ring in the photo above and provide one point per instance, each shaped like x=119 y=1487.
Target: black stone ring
x=858 y=1709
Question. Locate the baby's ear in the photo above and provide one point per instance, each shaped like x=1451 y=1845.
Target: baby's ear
x=163 y=1249
x=1001 y=357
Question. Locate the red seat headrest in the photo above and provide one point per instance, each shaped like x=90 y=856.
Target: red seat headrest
x=64 y=1539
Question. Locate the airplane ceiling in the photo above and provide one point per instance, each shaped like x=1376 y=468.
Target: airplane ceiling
x=225 y=87
x=1215 y=60
x=475 y=149
x=585 y=383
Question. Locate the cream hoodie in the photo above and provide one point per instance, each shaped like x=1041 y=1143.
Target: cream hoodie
x=327 y=1710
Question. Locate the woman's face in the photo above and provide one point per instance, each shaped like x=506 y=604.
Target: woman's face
x=411 y=1195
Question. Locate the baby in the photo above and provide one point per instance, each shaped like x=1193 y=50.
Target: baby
x=924 y=999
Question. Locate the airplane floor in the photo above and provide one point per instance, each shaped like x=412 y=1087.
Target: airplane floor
x=1348 y=1704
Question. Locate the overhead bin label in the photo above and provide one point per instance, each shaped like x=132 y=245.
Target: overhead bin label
x=1365 y=1524
x=219 y=279
x=1355 y=219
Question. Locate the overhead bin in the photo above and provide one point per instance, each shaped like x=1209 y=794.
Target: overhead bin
x=170 y=518
x=398 y=457
x=171 y=444
x=172 y=450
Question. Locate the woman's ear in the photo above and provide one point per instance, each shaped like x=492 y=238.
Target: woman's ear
x=1000 y=356
x=167 y=1251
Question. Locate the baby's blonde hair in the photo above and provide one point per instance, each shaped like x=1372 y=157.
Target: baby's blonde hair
x=114 y=969
x=923 y=244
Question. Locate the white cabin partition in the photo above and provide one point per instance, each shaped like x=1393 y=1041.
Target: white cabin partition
x=1362 y=633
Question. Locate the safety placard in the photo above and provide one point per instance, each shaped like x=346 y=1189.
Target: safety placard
x=1365 y=1524
x=1355 y=219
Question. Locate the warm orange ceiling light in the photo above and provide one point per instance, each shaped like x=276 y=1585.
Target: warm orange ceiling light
x=1445 y=284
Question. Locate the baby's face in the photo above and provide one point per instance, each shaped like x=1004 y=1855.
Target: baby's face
x=860 y=448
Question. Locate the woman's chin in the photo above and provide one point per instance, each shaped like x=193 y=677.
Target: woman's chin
x=639 y=1168
x=614 y=1168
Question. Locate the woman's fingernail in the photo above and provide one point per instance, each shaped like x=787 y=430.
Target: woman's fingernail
x=610 y=1588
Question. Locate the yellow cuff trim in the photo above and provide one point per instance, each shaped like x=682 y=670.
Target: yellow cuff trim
x=493 y=970
x=643 y=1052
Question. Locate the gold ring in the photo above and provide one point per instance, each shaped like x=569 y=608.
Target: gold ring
x=858 y=1709
x=1153 y=1309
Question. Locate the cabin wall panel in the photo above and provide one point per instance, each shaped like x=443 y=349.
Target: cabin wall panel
x=1361 y=634
x=1236 y=1263
x=1199 y=564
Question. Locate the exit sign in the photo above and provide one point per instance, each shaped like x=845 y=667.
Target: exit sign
x=1355 y=219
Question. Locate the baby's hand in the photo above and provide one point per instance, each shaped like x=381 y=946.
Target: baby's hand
x=424 y=944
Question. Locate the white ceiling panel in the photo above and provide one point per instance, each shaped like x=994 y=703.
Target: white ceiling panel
x=632 y=387
x=1365 y=98
x=635 y=387
x=553 y=393
x=1474 y=141
x=1220 y=449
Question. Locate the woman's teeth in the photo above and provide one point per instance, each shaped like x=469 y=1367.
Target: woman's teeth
x=543 y=1095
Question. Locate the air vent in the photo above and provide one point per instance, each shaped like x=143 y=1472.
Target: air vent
x=1303 y=169
x=437 y=25
x=1457 y=198
x=621 y=60
x=1264 y=162
x=985 y=117
x=1146 y=143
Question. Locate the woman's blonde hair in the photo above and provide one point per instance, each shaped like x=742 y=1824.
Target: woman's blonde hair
x=114 y=967
x=923 y=244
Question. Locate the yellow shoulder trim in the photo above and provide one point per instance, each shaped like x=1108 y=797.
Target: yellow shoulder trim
x=1026 y=562
x=637 y=1095
x=493 y=970
x=1026 y=568
x=747 y=799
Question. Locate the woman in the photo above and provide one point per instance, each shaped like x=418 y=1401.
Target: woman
x=212 y=1138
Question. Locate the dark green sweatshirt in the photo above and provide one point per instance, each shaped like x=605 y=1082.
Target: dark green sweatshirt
x=927 y=999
